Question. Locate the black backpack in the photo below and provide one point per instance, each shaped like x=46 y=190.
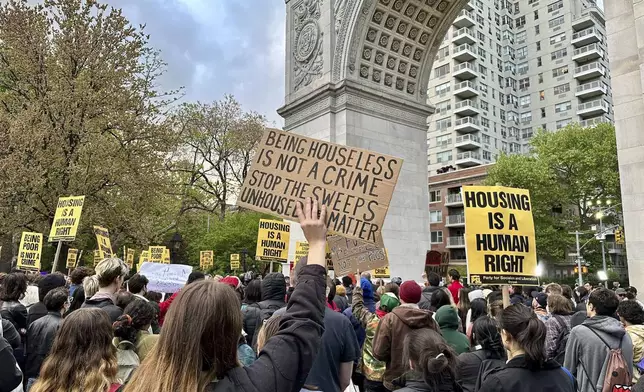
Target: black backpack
x=562 y=341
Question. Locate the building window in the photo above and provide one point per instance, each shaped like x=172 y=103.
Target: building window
x=435 y=216
x=484 y=105
x=442 y=88
x=555 y=39
x=563 y=123
x=434 y=196
x=443 y=106
x=559 y=71
x=526 y=117
x=520 y=22
x=540 y=78
x=443 y=123
x=563 y=107
x=486 y=139
x=543 y=112
x=558 y=21
x=485 y=122
x=521 y=36
x=522 y=52
x=524 y=83
x=502 y=114
x=555 y=6
x=522 y=68
x=562 y=88
x=536 y=30
x=526 y=133
x=441 y=71
x=542 y=95
x=437 y=237
x=539 y=62
x=443 y=140
x=442 y=53
x=538 y=45
x=481 y=52
x=559 y=54
x=536 y=15
x=444 y=156
x=482 y=70
x=524 y=101
x=487 y=155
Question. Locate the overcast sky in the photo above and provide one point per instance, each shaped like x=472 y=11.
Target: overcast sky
x=215 y=47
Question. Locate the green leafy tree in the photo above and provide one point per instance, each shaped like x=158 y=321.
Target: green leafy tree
x=565 y=172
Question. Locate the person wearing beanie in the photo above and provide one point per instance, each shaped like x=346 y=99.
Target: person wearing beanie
x=388 y=342
x=45 y=285
x=367 y=294
x=447 y=319
x=539 y=304
x=372 y=369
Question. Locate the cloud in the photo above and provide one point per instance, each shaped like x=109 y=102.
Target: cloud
x=218 y=47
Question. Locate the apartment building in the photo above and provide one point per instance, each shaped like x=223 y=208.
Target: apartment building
x=509 y=68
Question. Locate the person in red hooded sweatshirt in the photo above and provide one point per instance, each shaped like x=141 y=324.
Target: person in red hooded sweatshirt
x=194 y=276
x=456 y=285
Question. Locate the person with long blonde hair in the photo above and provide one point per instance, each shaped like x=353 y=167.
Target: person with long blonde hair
x=197 y=347
x=82 y=358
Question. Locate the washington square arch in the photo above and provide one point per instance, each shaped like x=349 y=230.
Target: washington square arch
x=357 y=73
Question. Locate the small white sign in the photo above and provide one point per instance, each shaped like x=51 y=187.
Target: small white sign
x=165 y=278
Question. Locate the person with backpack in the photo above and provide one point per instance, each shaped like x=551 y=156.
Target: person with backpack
x=631 y=315
x=558 y=327
x=527 y=368
x=599 y=352
x=250 y=309
x=132 y=336
x=487 y=353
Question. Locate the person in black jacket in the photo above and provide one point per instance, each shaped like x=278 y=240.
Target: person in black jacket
x=111 y=273
x=45 y=285
x=433 y=281
x=527 y=369
x=13 y=289
x=250 y=309
x=10 y=374
x=487 y=348
x=203 y=326
x=41 y=333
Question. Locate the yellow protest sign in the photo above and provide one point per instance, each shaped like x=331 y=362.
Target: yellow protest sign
x=129 y=258
x=72 y=256
x=97 y=257
x=30 y=251
x=144 y=257
x=103 y=240
x=356 y=185
x=272 y=240
x=381 y=273
x=499 y=235
x=301 y=250
x=156 y=254
x=351 y=255
x=66 y=218
x=165 y=259
x=234 y=261
x=206 y=258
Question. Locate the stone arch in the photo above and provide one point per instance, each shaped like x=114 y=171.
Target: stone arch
x=391 y=44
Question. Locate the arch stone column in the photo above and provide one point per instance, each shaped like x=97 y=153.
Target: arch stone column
x=625 y=29
x=357 y=74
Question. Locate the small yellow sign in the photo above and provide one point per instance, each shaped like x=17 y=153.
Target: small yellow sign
x=103 y=240
x=272 y=240
x=166 y=256
x=97 y=257
x=30 y=251
x=144 y=257
x=156 y=254
x=301 y=250
x=206 y=259
x=72 y=257
x=234 y=261
x=381 y=273
x=66 y=218
x=129 y=258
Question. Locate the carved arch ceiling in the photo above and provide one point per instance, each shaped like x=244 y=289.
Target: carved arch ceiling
x=395 y=42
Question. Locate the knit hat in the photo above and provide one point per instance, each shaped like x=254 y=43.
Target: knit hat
x=474 y=294
x=388 y=302
x=410 y=292
x=231 y=281
x=542 y=299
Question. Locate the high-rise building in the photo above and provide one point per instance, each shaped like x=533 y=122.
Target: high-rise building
x=509 y=68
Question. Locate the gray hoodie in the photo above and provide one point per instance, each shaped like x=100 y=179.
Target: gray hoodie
x=587 y=355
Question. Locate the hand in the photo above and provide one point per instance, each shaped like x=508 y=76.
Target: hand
x=314 y=228
x=358 y=280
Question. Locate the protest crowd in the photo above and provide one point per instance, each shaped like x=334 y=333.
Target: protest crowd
x=100 y=330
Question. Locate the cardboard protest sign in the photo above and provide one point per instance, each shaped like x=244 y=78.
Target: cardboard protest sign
x=97 y=257
x=66 y=218
x=165 y=258
x=30 y=251
x=381 y=273
x=156 y=254
x=129 y=258
x=351 y=255
x=103 y=240
x=499 y=235
x=206 y=258
x=272 y=240
x=72 y=256
x=301 y=250
x=165 y=278
x=356 y=185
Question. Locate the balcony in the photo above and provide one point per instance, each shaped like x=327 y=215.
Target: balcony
x=587 y=53
x=466 y=108
x=586 y=37
x=592 y=16
x=454 y=200
x=464 y=52
x=464 y=71
x=467 y=124
x=456 y=242
x=592 y=108
x=469 y=5
x=465 y=89
x=591 y=122
x=590 y=71
x=468 y=159
x=592 y=89
x=464 y=19
x=455 y=220
x=464 y=36
x=468 y=142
